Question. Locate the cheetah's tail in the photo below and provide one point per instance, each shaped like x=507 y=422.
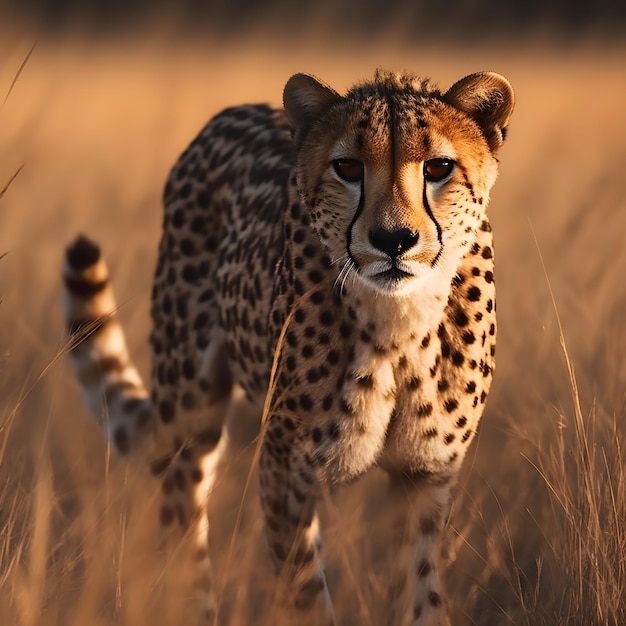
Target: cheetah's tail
x=111 y=385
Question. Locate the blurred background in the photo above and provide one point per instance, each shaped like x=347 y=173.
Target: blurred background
x=97 y=100
x=353 y=18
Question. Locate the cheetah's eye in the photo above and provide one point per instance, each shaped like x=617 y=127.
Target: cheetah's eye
x=438 y=169
x=349 y=170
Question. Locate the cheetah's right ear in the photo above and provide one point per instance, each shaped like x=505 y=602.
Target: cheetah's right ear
x=305 y=99
x=488 y=99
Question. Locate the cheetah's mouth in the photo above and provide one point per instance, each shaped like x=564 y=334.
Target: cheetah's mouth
x=392 y=277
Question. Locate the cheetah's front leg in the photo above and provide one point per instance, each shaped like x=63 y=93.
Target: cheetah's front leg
x=420 y=510
x=289 y=490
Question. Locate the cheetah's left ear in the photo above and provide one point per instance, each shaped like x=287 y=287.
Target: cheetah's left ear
x=305 y=99
x=488 y=99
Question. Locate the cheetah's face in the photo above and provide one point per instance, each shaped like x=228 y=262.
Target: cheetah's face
x=396 y=175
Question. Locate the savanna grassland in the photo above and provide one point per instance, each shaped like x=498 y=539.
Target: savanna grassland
x=538 y=532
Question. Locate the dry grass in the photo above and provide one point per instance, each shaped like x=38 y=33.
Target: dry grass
x=538 y=533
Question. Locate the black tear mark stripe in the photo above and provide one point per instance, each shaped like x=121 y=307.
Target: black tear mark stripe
x=357 y=214
x=435 y=222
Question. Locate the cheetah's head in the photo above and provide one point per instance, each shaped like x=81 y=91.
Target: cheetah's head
x=396 y=175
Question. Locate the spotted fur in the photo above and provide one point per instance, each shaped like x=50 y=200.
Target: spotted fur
x=337 y=253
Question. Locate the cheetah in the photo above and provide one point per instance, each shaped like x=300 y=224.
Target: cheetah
x=334 y=260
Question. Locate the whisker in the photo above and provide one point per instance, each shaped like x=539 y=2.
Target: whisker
x=349 y=266
x=343 y=274
x=343 y=257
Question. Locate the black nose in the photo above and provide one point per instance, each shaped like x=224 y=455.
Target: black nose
x=393 y=242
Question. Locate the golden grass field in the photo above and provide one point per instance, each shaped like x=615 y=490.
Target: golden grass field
x=538 y=531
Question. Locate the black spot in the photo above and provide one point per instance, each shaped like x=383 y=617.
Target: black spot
x=426 y=341
x=443 y=385
x=206 y=295
x=434 y=599
x=83 y=253
x=315 y=276
x=309 y=251
x=487 y=253
x=448 y=439
x=461 y=421
x=468 y=337
x=307 y=351
x=166 y=411
x=424 y=410
x=466 y=436
x=460 y=318
x=333 y=357
x=458 y=359
x=473 y=294
x=300 y=316
x=451 y=404
x=414 y=383
x=190 y=273
x=305 y=402
x=317 y=297
x=488 y=276
x=313 y=375
x=345 y=407
x=489 y=306
x=120 y=437
x=317 y=435
x=327 y=318
x=189 y=369
x=345 y=330
x=327 y=403
x=187 y=247
x=167 y=305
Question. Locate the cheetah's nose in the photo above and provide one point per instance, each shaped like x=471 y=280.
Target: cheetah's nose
x=393 y=242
